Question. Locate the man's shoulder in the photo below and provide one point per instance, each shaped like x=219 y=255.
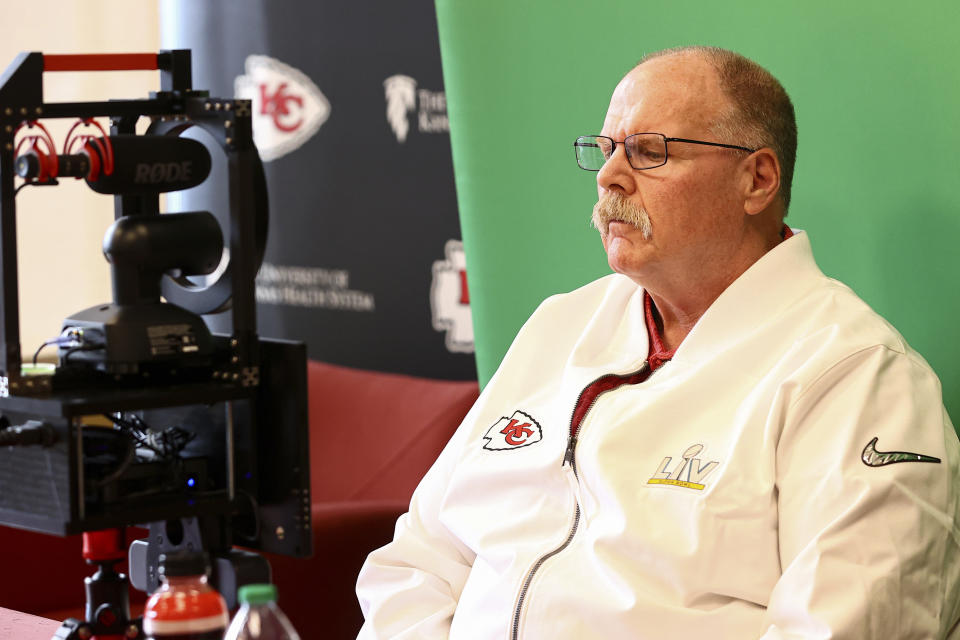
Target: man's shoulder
x=785 y=308
x=835 y=309
x=832 y=329
x=789 y=291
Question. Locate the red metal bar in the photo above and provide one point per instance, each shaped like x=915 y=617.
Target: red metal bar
x=100 y=62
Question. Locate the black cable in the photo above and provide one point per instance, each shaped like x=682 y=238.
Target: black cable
x=166 y=444
x=46 y=344
x=255 y=511
x=133 y=432
x=87 y=347
x=121 y=468
x=66 y=337
x=36 y=183
x=80 y=338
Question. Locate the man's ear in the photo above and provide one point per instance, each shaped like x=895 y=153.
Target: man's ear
x=763 y=180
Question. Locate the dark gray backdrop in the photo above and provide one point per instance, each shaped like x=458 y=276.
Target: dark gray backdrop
x=358 y=217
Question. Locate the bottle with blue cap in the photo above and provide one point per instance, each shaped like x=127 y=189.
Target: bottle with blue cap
x=259 y=617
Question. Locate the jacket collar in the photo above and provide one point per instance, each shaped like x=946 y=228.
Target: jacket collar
x=760 y=294
x=615 y=339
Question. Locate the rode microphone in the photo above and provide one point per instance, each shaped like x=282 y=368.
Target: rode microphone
x=140 y=164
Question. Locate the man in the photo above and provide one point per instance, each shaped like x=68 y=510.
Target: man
x=716 y=441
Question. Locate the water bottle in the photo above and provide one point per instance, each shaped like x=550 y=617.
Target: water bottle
x=259 y=617
x=185 y=607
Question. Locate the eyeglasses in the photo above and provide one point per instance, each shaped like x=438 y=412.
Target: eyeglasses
x=644 y=150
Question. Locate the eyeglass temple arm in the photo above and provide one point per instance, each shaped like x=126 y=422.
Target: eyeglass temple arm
x=711 y=144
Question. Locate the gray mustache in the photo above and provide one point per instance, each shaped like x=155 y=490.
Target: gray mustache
x=613 y=206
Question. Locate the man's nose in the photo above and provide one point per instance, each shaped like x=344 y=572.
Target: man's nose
x=616 y=174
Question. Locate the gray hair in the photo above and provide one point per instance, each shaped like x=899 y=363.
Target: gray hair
x=761 y=113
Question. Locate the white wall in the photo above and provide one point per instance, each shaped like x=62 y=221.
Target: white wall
x=60 y=229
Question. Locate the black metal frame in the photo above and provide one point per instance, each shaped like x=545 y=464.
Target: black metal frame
x=580 y=142
x=251 y=395
x=175 y=107
x=257 y=387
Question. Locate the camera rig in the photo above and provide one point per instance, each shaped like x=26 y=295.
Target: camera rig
x=149 y=418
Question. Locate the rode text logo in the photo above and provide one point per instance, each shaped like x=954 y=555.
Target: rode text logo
x=519 y=430
x=689 y=473
x=288 y=108
x=403 y=97
x=450 y=299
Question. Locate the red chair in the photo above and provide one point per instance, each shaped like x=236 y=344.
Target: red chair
x=372 y=437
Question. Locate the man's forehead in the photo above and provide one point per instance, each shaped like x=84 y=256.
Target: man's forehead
x=679 y=88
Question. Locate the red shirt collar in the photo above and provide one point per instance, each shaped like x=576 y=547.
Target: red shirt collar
x=658 y=353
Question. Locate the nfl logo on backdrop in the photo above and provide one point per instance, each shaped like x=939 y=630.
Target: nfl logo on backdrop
x=288 y=108
x=450 y=299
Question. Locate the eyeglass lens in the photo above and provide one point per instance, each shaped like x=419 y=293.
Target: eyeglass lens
x=644 y=150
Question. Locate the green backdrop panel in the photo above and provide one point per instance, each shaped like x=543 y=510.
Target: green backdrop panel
x=876 y=86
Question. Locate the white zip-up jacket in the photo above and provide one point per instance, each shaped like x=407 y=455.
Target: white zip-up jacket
x=740 y=492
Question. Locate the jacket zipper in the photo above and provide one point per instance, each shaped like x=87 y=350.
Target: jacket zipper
x=568 y=457
x=533 y=570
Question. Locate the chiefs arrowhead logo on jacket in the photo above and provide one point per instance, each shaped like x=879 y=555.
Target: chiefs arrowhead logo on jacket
x=519 y=430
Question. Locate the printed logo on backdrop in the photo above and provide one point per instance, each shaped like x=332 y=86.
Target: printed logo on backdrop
x=450 y=299
x=404 y=99
x=519 y=430
x=288 y=108
x=310 y=287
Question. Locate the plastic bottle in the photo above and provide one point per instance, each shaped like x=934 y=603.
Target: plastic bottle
x=185 y=607
x=259 y=617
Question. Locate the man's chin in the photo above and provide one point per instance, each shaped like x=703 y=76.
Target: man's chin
x=627 y=261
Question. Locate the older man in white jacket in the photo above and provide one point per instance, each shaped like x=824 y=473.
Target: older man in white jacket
x=716 y=441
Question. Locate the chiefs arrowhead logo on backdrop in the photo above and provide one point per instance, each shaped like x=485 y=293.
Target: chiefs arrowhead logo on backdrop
x=450 y=299
x=519 y=430
x=288 y=108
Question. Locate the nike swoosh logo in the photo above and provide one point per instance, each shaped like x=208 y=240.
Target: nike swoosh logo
x=873 y=458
